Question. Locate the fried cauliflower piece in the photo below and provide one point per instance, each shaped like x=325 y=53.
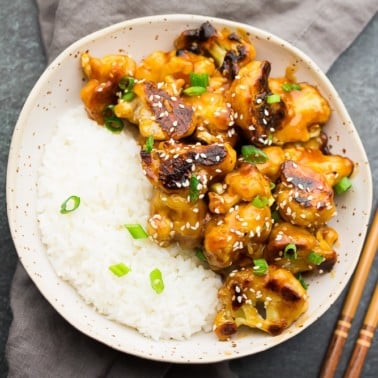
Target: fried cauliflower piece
x=171 y=165
x=303 y=196
x=272 y=166
x=239 y=232
x=103 y=77
x=243 y=184
x=306 y=112
x=213 y=117
x=313 y=251
x=176 y=66
x=248 y=97
x=174 y=218
x=157 y=113
x=332 y=167
x=269 y=302
x=230 y=50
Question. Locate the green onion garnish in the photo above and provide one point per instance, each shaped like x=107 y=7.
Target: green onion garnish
x=200 y=255
x=290 y=251
x=272 y=185
x=301 y=280
x=119 y=269
x=70 y=204
x=156 y=280
x=193 y=188
x=260 y=267
x=288 y=87
x=194 y=91
x=343 y=185
x=136 y=231
x=149 y=143
x=253 y=155
x=114 y=124
x=199 y=79
x=126 y=83
x=260 y=202
x=129 y=96
x=315 y=258
x=273 y=98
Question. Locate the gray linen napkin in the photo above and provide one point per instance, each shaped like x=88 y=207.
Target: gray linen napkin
x=41 y=343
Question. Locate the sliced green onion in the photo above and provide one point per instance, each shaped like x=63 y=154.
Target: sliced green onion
x=288 y=87
x=343 y=185
x=273 y=98
x=126 y=83
x=136 y=231
x=70 y=204
x=128 y=96
x=194 y=91
x=199 y=79
x=149 y=143
x=260 y=267
x=302 y=281
x=200 y=255
x=119 y=269
x=315 y=258
x=253 y=155
x=260 y=202
x=156 y=280
x=272 y=185
x=290 y=251
x=114 y=124
x=193 y=188
x=111 y=121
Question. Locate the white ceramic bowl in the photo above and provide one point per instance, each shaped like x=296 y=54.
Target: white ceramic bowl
x=58 y=90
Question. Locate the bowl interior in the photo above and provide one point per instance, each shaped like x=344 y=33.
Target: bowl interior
x=58 y=90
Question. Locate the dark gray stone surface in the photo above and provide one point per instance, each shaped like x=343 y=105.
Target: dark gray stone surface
x=354 y=76
x=21 y=62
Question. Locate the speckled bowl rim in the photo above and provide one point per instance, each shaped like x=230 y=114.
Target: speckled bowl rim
x=24 y=157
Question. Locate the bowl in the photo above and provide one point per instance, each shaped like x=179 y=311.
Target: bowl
x=57 y=91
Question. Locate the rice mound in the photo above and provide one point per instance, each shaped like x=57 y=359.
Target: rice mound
x=104 y=170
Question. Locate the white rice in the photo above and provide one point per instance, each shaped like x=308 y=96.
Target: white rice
x=104 y=170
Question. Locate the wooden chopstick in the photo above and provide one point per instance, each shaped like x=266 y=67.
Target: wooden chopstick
x=365 y=337
x=340 y=334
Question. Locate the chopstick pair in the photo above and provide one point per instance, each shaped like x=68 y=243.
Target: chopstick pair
x=344 y=323
x=365 y=338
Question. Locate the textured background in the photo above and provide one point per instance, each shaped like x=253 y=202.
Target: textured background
x=354 y=75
